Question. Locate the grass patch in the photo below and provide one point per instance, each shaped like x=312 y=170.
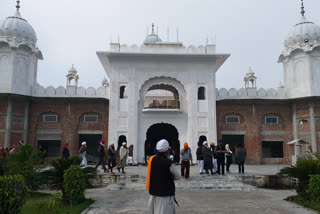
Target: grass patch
x=305 y=203
x=33 y=205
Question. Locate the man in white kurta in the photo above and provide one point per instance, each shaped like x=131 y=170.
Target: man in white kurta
x=160 y=181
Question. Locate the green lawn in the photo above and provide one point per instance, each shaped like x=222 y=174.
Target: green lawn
x=33 y=205
x=308 y=204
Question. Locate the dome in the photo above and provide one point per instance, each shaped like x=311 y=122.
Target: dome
x=250 y=73
x=18 y=29
x=305 y=32
x=152 y=38
x=72 y=71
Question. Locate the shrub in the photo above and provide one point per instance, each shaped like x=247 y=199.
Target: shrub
x=74 y=184
x=314 y=187
x=302 y=170
x=13 y=193
x=55 y=175
x=26 y=162
x=3 y=165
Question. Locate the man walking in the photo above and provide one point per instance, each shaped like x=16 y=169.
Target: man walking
x=111 y=157
x=101 y=156
x=186 y=157
x=130 y=156
x=82 y=153
x=241 y=154
x=200 y=158
x=207 y=157
x=220 y=151
x=160 y=181
x=123 y=156
x=65 y=152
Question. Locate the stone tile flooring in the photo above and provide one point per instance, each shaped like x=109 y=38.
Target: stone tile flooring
x=200 y=194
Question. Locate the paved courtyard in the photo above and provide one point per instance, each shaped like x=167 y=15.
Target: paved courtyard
x=194 y=196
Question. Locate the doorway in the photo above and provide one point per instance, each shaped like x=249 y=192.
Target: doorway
x=161 y=131
x=92 y=146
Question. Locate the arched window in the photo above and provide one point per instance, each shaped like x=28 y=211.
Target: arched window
x=122 y=90
x=201 y=93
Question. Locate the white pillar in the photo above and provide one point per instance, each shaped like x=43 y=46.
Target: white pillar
x=8 y=124
x=313 y=128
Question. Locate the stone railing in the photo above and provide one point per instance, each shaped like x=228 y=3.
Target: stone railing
x=224 y=94
x=163 y=48
x=71 y=91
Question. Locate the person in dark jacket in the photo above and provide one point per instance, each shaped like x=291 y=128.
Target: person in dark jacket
x=111 y=157
x=207 y=158
x=220 y=150
x=160 y=181
x=241 y=154
x=130 y=156
x=186 y=157
x=101 y=156
x=214 y=157
x=65 y=152
x=200 y=158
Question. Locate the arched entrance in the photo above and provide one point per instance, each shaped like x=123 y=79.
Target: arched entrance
x=160 y=131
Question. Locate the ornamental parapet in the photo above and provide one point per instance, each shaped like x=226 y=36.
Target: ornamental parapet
x=251 y=93
x=71 y=91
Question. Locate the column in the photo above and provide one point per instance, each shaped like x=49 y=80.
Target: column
x=297 y=150
x=313 y=128
x=26 y=120
x=8 y=124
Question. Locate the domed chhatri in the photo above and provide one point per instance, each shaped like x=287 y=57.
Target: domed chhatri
x=72 y=70
x=305 y=33
x=16 y=31
x=152 y=38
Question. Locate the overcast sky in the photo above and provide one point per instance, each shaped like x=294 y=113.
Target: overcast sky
x=71 y=31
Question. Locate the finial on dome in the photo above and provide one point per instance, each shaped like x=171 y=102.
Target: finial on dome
x=152 y=28
x=302 y=8
x=18 y=5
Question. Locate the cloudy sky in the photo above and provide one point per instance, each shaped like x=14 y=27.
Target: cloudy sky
x=71 y=31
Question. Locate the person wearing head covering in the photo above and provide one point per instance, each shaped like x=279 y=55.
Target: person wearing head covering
x=130 y=155
x=229 y=157
x=207 y=158
x=214 y=157
x=200 y=158
x=186 y=157
x=160 y=181
x=111 y=157
x=220 y=150
x=101 y=153
x=82 y=153
x=65 y=151
x=124 y=151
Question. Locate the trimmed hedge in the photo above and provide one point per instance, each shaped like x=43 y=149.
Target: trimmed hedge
x=13 y=193
x=74 y=183
x=314 y=187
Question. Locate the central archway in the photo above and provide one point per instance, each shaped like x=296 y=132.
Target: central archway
x=160 y=131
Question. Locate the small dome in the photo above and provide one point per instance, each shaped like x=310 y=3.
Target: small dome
x=280 y=85
x=72 y=71
x=17 y=28
x=305 y=32
x=250 y=73
x=152 y=38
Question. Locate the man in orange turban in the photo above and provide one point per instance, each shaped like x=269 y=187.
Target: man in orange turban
x=186 y=157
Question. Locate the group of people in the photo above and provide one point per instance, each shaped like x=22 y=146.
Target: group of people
x=215 y=158
x=212 y=158
x=5 y=151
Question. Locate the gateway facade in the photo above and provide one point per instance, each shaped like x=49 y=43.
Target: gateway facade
x=161 y=90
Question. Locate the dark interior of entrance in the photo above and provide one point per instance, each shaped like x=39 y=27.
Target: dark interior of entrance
x=160 y=131
x=233 y=141
x=92 y=146
x=52 y=147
